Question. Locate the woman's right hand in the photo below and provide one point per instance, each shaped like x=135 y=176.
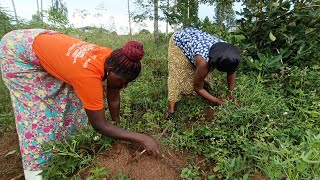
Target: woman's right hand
x=219 y=102
x=150 y=144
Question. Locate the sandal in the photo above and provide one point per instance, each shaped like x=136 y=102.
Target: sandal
x=169 y=116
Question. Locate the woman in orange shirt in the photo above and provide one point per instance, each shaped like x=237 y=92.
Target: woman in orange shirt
x=55 y=84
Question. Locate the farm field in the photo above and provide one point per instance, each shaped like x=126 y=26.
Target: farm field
x=270 y=130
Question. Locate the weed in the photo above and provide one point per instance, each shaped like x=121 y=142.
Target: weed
x=72 y=155
x=190 y=173
x=98 y=173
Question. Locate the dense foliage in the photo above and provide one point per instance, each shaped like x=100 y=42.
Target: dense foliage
x=281 y=32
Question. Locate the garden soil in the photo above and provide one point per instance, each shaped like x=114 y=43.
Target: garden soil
x=118 y=159
x=10 y=158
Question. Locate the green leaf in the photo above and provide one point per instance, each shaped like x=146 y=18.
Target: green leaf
x=275 y=4
x=292 y=24
x=272 y=37
x=216 y=169
x=245 y=177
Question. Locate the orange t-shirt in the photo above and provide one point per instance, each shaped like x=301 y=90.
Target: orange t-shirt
x=75 y=62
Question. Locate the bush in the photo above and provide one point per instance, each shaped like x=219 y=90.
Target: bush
x=280 y=32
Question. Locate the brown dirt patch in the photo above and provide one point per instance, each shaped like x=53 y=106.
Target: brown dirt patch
x=156 y=63
x=209 y=113
x=260 y=176
x=10 y=158
x=146 y=167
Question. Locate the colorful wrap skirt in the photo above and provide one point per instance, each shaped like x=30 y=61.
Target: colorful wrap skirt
x=45 y=108
x=180 y=73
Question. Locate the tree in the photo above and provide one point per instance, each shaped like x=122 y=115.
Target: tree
x=185 y=12
x=149 y=9
x=37 y=17
x=167 y=22
x=156 y=19
x=175 y=26
x=144 y=31
x=208 y=26
x=41 y=10
x=189 y=12
x=38 y=9
x=58 y=13
x=224 y=14
x=5 y=21
x=129 y=16
x=15 y=12
x=280 y=32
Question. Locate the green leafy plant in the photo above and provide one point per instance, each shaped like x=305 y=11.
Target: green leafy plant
x=190 y=173
x=98 y=173
x=121 y=176
x=69 y=156
x=284 y=31
x=6 y=22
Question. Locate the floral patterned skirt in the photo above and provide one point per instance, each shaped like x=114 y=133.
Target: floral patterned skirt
x=180 y=73
x=45 y=108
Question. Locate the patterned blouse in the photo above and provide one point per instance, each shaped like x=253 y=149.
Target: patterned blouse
x=194 y=42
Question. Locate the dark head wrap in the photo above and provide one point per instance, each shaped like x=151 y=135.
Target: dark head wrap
x=224 y=57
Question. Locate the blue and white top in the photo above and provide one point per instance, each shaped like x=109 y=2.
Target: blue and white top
x=193 y=41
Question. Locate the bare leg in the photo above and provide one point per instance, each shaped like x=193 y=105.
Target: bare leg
x=171 y=107
x=169 y=114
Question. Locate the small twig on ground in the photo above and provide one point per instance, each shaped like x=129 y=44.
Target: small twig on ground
x=170 y=154
x=18 y=177
x=200 y=162
x=142 y=152
x=164 y=131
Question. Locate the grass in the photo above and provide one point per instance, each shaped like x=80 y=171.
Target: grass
x=272 y=127
x=6 y=114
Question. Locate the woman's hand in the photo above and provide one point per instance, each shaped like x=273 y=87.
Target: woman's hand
x=219 y=102
x=150 y=144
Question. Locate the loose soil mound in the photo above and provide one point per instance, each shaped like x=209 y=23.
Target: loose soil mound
x=145 y=167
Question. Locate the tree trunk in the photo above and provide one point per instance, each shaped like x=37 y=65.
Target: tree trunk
x=41 y=10
x=188 y=16
x=220 y=14
x=175 y=26
x=156 y=20
x=167 y=23
x=38 y=10
x=15 y=12
x=129 y=20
